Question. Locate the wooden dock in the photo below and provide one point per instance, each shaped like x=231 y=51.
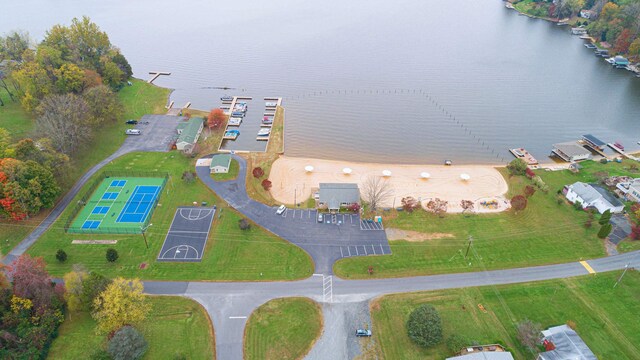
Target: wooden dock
x=622 y=152
x=522 y=153
x=156 y=74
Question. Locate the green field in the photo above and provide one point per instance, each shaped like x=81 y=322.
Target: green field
x=230 y=253
x=176 y=326
x=116 y=208
x=283 y=328
x=604 y=317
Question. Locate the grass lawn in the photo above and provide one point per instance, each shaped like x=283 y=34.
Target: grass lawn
x=230 y=254
x=234 y=168
x=13 y=118
x=545 y=232
x=601 y=313
x=629 y=245
x=283 y=328
x=175 y=326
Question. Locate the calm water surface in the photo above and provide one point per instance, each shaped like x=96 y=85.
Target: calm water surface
x=401 y=81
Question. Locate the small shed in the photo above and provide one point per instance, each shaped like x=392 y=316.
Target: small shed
x=335 y=195
x=220 y=164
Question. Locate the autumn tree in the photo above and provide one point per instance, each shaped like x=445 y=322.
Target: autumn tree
x=634 y=47
x=518 y=203
x=409 y=204
x=74 y=283
x=215 y=119
x=103 y=105
x=32 y=281
x=376 y=191
x=528 y=334
x=529 y=191
x=266 y=184
x=69 y=78
x=121 y=303
x=257 y=172
x=609 y=10
x=14 y=44
x=42 y=152
x=467 y=205
x=437 y=206
x=623 y=41
x=64 y=119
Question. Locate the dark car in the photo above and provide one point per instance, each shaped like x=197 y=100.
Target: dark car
x=363 y=332
x=132 y=122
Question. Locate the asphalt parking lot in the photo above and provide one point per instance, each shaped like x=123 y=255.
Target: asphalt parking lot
x=157 y=135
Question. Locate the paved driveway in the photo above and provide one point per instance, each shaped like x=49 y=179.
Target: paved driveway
x=158 y=132
x=326 y=242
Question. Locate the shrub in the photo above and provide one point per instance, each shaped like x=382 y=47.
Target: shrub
x=456 y=342
x=530 y=174
x=266 y=184
x=424 y=326
x=112 y=255
x=409 y=203
x=355 y=207
x=635 y=232
x=244 y=224
x=605 y=218
x=188 y=176
x=577 y=205
x=257 y=172
x=605 y=230
x=540 y=184
x=61 y=255
x=518 y=202
x=127 y=344
x=529 y=191
x=517 y=167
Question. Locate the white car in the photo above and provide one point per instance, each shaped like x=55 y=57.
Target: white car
x=133 y=132
x=281 y=210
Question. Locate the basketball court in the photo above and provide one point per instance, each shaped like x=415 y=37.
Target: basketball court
x=187 y=236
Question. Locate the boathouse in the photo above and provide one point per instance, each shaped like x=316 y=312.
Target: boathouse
x=593 y=196
x=570 y=152
x=593 y=142
x=334 y=196
x=620 y=61
x=564 y=343
x=220 y=164
x=188 y=134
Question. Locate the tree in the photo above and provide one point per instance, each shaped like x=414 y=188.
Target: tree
x=89 y=43
x=635 y=232
x=74 y=283
x=257 y=172
x=63 y=119
x=634 y=47
x=467 y=205
x=61 y=255
x=188 y=176
x=528 y=334
x=529 y=191
x=41 y=152
x=266 y=184
x=609 y=10
x=605 y=217
x=13 y=46
x=103 y=105
x=127 y=344
x=112 y=75
x=92 y=286
x=376 y=191
x=623 y=41
x=424 y=326
x=121 y=303
x=605 y=230
x=111 y=255
x=33 y=83
x=215 y=119
x=518 y=202
x=70 y=78
x=91 y=79
x=437 y=206
x=456 y=342
x=409 y=204
x=32 y=281
x=517 y=167
x=25 y=188
x=244 y=224
x=122 y=63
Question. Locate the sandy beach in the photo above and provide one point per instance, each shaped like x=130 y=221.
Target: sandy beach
x=292 y=183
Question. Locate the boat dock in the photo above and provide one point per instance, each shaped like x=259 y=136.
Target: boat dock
x=175 y=111
x=594 y=144
x=523 y=154
x=156 y=74
x=622 y=152
x=248 y=117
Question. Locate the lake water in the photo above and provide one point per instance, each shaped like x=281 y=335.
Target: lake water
x=376 y=81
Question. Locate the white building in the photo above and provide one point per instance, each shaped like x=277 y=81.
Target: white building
x=631 y=190
x=567 y=345
x=593 y=196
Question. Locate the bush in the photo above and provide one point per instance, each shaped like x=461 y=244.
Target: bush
x=540 y=184
x=456 y=342
x=424 y=326
x=188 y=176
x=100 y=354
x=112 y=255
x=244 y=224
x=529 y=191
x=61 y=255
x=409 y=204
x=529 y=334
x=355 y=207
x=517 y=167
x=127 y=344
x=604 y=219
x=518 y=202
x=577 y=205
x=266 y=184
x=605 y=230
x=257 y=172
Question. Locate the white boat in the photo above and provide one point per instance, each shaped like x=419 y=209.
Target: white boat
x=270 y=104
x=234 y=121
x=264 y=132
x=610 y=60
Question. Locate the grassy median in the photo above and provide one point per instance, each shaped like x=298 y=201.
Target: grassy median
x=283 y=328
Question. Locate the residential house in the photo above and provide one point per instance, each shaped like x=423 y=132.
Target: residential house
x=220 y=164
x=630 y=190
x=188 y=134
x=588 y=14
x=333 y=196
x=593 y=196
x=570 y=152
x=564 y=344
x=483 y=352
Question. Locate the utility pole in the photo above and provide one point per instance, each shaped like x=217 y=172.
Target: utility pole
x=626 y=267
x=468 y=246
x=143 y=235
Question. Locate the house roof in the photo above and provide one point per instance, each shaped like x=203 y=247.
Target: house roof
x=569 y=345
x=220 y=160
x=191 y=130
x=485 y=355
x=590 y=193
x=334 y=194
x=594 y=140
x=571 y=149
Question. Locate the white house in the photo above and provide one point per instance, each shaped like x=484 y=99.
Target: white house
x=220 y=164
x=630 y=189
x=189 y=132
x=587 y=14
x=593 y=196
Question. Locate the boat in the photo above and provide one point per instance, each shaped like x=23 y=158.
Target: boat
x=237 y=114
x=231 y=134
x=264 y=132
x=448 y=162
x=589 y=46
x=270 y=104
x=235 y=121
x=227 y=98
x=610 y=60
x=618 y=145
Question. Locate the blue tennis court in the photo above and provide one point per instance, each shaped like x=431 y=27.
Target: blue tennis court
x=119 y=183
x=139 y=204
x=101 y=210
x=91 y=224
x=110 y=196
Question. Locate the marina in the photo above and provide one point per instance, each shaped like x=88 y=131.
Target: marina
x=247 y=116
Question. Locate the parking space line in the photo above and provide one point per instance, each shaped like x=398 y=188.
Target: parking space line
x=381 y=249
x=349 y=248
x=358 y=253
x=374 y=249
x=365 y=250
x=341 y=253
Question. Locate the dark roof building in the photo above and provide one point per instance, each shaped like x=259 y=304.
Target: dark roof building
x=594 y=142
x=334 y=195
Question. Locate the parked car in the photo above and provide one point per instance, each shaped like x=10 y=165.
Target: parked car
x=226 y=98
x=133 y=132
x=363 y=332
x=281 y=210
x=132 y=122
x=320 y=217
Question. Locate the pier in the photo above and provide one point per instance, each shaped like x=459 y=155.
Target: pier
x=156 y=74
x=622 y=152
x=257 y=118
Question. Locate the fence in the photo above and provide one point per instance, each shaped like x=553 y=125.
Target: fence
x=84 y=200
